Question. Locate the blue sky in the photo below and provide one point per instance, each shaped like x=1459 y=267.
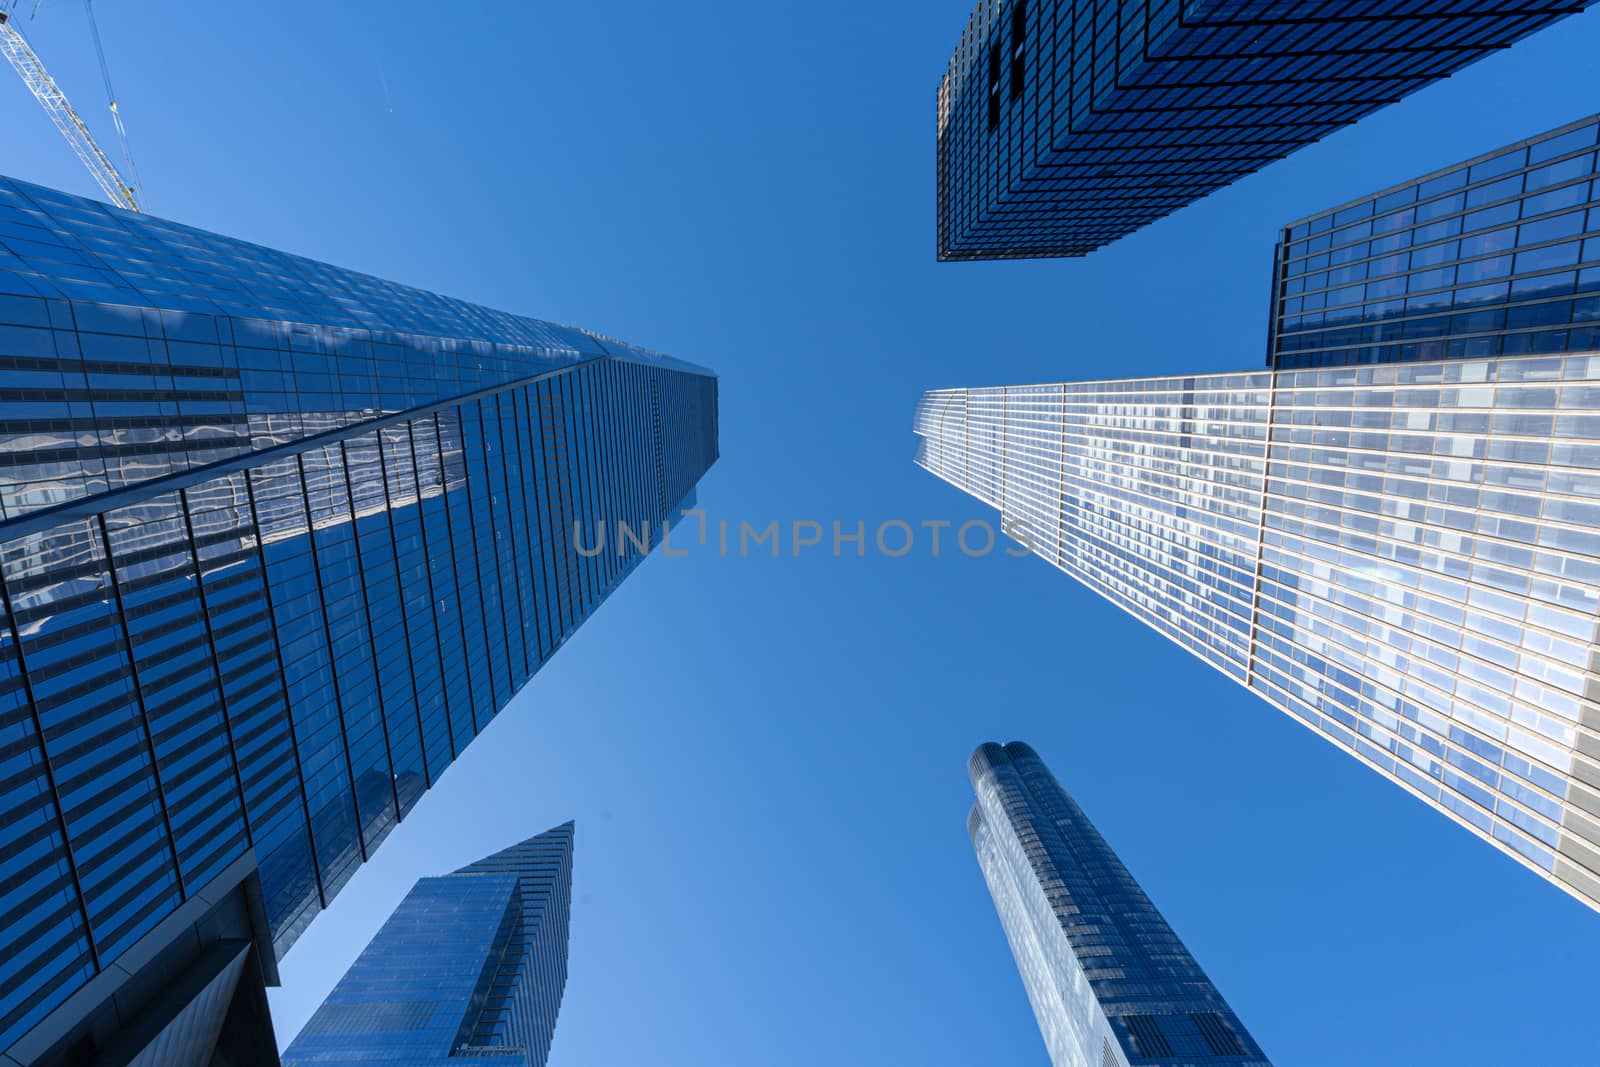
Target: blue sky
x=766 y=758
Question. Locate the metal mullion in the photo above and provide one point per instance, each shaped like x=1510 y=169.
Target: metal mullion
x=606 y=465
x=283 y=679
x=506 y=457
x=366 y=603
x=405 y=616
x=477 y=558
x=567 y=578
x=433 y=596
x=1003 y=457
x=627 y=471
x=541 y=502
x=649 y=486
x=517 y=504
x=616 y=467
x=566 y=499
x=50 y=779
x=584 y=444
x=658 y=456
x=216 y=663
x=579 y=441
x=455 y=559
x=640 y=435
x=327 y=636
x=496 y=441
x=139 y=696
x=643 y=475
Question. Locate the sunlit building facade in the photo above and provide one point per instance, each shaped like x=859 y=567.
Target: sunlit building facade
x=1498 y=255
x=1404 y=557
x=1063 y=125
x=471 y=966
x=1111 y=983
x=277 y=540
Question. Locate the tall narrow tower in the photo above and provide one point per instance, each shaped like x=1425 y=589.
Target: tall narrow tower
x=472 y=965
x=1110 y=982
x=1405 y=557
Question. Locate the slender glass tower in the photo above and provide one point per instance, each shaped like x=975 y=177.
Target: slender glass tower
x=1066 y=124
x=277 y=540
x=1497 y=255
x=1110 y=982
x=470 y=966
x=1404 y=557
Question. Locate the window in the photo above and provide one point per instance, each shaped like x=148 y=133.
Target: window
x=994 y=86
x=1019 y=32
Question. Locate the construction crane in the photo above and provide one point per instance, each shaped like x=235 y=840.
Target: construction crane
x=49 y=94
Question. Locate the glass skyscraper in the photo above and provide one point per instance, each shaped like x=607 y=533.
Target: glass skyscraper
x=1066 y=124
x=277 y=540
x=1499 y=255
x=470 y=966
x=1111 y=984
x=1404 y=557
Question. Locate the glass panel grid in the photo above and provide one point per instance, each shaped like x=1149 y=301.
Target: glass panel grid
x=1409 y=564
x=1499 y=256
x=118 y=376
x=1148 y=491
x=1065 y=124
x=279 y=658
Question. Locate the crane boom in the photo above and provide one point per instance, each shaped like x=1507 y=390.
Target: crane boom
x=49 y=94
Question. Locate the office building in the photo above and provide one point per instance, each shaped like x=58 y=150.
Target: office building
x=1063 y=124
x=470 y=966
x=1499 y=255
x=1405 y=557
x=277 y=540
x=1111 y=984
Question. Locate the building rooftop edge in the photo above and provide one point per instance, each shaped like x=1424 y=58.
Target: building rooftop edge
x=1446 y=169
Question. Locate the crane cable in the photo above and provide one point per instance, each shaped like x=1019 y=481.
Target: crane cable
x=111 y=100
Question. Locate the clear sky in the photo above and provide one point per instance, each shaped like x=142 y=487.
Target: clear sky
x=766 y=758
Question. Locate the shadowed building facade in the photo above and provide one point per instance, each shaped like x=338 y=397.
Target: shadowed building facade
x=1403 y=557
x=470 y=966
x=1066 y=124
x=1498 y=255
x=277 y=540
x=1111 y=984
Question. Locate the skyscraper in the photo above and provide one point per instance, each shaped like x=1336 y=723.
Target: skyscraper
x=277 y=540
x=1111 y=984
x=471 y=965
x=1066 y=124
x=1404 y=557
x=1499 y=255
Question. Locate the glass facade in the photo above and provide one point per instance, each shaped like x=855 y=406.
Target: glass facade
x=277 y=541
x=1111 y=984
x=470 y=966
x=1405 y=557
x=1066 y=124
x=1499 y=255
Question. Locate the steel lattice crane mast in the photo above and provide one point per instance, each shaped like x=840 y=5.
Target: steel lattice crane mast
x=49 y=94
